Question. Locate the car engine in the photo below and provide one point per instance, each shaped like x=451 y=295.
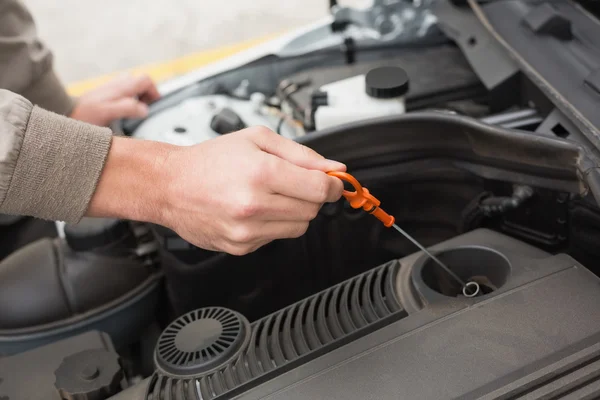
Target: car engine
x=463 y=145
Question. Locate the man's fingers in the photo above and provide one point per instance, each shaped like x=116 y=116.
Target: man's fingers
x=282 y=208
x=127 y=107
x=290 y=180
x=143 y=87
x=284 y=230
x=148 y=98
x=293 y=152
x=267 y=231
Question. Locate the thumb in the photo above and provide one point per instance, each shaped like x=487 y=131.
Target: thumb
x=127 y=107
x=296 y=153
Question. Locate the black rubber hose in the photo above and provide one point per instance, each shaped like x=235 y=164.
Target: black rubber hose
x=498 y=205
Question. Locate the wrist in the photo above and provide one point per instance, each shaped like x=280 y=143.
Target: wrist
x=134 y=183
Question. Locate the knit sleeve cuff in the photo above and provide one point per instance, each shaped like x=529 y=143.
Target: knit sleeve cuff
x=49 y=93
x=58 y=167
x=14 y=114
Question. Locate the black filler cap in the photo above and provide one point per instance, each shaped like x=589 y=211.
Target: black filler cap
x=89 y=375
x=227 y=121
x=386 y=82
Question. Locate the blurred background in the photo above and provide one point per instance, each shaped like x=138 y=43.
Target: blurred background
x=91 y=38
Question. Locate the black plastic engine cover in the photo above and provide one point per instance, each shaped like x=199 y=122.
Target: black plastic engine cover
x=535 y=336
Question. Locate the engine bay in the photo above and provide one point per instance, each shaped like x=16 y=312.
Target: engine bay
x=467 y=151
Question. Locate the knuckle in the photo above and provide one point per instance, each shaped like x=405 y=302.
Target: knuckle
x=313 y=212
x=261 y=131
x=247 y=207
x=256 y=174
x=338 y=187
x=263 y=170
x=241 y=234
x=322 y=193
x=307 y=152
x=265 y=130
x=300 y=230
x=144 y=82
x=237 y=250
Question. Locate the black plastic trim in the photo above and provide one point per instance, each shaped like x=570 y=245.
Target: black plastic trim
x=558 y=67
x=492 y=64
x=488 y=151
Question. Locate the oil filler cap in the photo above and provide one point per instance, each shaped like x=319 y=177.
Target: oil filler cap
x=227 y=121
x=89 y=375
x=386 y=82
x=201 y=340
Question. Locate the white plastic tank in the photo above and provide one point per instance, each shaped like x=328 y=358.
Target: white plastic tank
x=381 y=92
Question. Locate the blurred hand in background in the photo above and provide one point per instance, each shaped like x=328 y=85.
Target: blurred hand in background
x=124 y=97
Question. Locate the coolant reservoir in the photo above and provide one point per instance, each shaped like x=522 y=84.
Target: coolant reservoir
x=379 y=93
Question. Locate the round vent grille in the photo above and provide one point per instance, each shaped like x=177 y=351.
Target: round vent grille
x=200 y=341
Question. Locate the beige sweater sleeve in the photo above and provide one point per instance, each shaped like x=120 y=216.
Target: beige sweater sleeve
x=49 y=164
x=26 y=63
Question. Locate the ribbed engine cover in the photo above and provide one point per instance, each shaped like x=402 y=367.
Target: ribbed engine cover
x=281 y=340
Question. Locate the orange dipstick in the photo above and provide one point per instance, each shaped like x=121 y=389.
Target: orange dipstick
x=361 y=198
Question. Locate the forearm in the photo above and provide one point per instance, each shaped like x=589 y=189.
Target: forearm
x=134 y=182
x=49 y=164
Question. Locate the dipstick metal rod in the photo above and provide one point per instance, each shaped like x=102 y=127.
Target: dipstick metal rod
x=361 y=198
x=469 y=289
